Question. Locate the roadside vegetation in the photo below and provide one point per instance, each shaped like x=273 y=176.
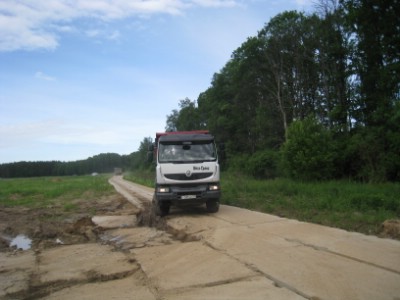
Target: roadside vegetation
x=41 y=192
x=347 y=205
x=352 y=206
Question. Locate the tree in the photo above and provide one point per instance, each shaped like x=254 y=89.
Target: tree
x=376 y=66
x=290 y=49
x=215 y=106
x=332 y=56
x=139 y=158
x=377 y=56
x=186 y=119
x=172 y=121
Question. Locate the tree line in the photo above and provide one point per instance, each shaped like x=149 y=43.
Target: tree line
x=102 y=163
x=310 y=96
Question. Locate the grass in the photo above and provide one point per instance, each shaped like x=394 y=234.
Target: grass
x=348 y=205
x=45 y=191
x=143 y=177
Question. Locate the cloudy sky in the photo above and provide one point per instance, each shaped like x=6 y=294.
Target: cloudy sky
x=84 y=77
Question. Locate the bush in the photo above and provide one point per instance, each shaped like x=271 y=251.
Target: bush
x=309 y=151
x=262 y=164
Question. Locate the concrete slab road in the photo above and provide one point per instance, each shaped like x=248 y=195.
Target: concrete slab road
x=240 y=254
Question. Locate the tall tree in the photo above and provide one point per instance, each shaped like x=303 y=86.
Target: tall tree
x=376 y=30
x=187 y=118
x=333 y=55
x=216 y=106
x=376 y=65
x=290 y=49
x=172 y=121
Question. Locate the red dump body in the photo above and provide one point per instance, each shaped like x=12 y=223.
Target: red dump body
x=158 y=134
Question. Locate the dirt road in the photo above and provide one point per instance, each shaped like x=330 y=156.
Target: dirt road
x=234 y=254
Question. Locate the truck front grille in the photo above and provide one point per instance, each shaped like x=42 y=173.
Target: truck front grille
x=193 y=176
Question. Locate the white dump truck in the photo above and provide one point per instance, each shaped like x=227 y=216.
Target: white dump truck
x=187 y=170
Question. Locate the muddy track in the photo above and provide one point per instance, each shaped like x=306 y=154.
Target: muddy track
x=89 y=255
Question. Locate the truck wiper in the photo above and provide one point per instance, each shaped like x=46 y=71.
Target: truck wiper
x=198 y=161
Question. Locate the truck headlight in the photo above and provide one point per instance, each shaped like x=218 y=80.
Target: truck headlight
x=163 y=189
x=213 y=187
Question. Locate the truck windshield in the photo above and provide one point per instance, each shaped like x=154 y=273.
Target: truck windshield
x=182 y=153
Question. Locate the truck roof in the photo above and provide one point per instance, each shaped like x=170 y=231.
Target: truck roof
x=158 y=134
x=185 y=136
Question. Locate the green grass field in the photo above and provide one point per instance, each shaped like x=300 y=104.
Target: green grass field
x=348 y=205
x=44 y=191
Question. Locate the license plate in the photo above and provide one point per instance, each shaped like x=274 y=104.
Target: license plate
x=185 y=197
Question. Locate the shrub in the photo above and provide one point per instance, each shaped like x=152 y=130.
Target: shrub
x=309 y=151
x=263 y=164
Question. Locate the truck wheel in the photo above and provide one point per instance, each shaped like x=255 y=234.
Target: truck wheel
x=212 y=206
x=164 y=209
x=161 y=209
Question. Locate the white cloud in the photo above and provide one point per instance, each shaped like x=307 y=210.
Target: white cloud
x=24 y=133
x=43 y=76
x=37 y=24
x=16 y=34
x=92 y=33
x=103 y=34
x=215 y=3
x=114 y=36
x=304 y=3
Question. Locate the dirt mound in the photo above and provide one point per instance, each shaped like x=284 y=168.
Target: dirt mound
x=390 y=229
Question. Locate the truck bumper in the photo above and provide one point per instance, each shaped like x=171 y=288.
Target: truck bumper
x=185 y=194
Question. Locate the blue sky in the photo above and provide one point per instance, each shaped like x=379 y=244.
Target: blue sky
x=84 y=77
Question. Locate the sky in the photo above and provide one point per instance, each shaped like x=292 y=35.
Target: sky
x=84 y=77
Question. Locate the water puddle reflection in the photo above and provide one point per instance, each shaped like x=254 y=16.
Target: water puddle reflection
x=21 y=242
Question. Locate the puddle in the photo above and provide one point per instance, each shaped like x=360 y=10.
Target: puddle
x=21 y=242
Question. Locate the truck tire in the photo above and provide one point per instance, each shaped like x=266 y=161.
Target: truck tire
x=212 y=206
x=164 y=209
x=161 y=209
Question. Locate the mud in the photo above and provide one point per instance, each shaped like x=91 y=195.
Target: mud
x=51 y=226
x=67 y=249
x=390 y=229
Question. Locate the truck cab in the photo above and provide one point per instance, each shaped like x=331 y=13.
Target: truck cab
x=187 y=171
